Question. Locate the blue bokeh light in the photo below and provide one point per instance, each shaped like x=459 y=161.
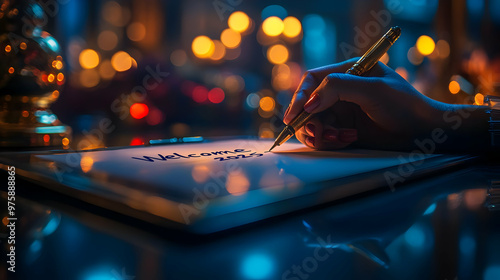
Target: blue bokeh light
x=274 y=10
x=257 y=266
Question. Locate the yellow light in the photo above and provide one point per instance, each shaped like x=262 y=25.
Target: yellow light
x=86 y=164
x=60 y=77
x=454 y=87
x=58 y=65
x=273 y=26
x=238 y=21
x=89 y=59
x=425 y=45
x=25 y=99
x=55 y=94
x=267 y=103
x=203 y=47
x=51 y=78
x=23 y=46
x=8 y=48
x=219 y=51
x=230 y=38
x=121 y=61
x=277 y=54
x=292 y=27
x=11 y=70
x=65 y=141
x=479 y=98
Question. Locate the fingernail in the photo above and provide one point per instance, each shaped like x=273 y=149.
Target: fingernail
x=331 y=135
x=310 y=128
x=286 y=112
x=312 y=103
x=310 y=141
x=348 y=133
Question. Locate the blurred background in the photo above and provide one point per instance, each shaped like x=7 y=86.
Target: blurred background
x=161 y=69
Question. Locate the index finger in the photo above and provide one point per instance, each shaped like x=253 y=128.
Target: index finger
x=310 y=81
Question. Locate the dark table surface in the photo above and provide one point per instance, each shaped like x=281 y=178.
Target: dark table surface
x=433 y=228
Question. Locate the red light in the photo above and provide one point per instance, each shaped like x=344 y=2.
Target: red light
x=155 y=117
x=136 y=141
x=139 y=110
x=200 y=94
x=46 y=138
x=216 y=95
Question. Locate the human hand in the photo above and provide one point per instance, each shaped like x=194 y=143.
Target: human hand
x=380 y=110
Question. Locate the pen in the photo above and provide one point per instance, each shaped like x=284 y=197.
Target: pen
x=364 y=64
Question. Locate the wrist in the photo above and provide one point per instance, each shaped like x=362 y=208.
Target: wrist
x=466 y=127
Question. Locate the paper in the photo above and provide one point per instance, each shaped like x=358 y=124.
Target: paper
x=231 y=167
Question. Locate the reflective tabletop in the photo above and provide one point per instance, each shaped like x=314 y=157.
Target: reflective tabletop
x=434 y=228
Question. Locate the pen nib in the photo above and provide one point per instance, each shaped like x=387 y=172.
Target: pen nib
x=274 y=146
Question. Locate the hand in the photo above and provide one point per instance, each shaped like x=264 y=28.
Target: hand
x=379 y=110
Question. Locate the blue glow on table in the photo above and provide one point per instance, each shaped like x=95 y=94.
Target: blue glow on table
x=257 y=266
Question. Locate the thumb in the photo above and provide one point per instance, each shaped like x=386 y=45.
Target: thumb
x=343 y=87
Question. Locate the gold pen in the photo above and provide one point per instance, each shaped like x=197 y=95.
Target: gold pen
x=364 y=64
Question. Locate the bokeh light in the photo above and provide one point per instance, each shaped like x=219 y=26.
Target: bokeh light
x=238 y=21
x=219 y=51
x=139 y=110
x=454 y=87
x=479 y=99
x=86 y=164
x=230 y=38
x=277 y=54
x=89 y=78
x=89 y=59
x=443 y=48
x=121 y=61
x=237 y=183
x=425 y=45
x=178 y=57
x=200 y=94
x=203 y=47
x=273 y=10
x=216 y=95
x=136 y=31
x=107 y=40
x=136 y=141
x=292 y=27
x=273 y=26
x=267 y=103
x=414 y=56
x=106 y=70
x=253 y=100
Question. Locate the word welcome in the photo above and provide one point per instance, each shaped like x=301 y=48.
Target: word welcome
x=175 y=156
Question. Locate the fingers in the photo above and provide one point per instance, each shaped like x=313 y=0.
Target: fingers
x=343 y=87
x=308 y=84
x=317 y=136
